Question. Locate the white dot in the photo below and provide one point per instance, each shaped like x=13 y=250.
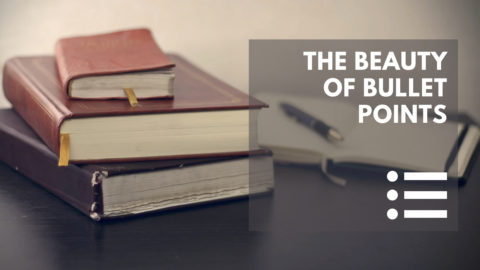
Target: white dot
x=392 y=213
x=392 y=194
x=392 y=176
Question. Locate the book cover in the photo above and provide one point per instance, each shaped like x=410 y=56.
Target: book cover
x=32 y=86
x=82 y=186
x=104 y=54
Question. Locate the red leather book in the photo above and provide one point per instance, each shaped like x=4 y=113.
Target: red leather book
x=201 y=103
x=106 y=54
x=119 y=189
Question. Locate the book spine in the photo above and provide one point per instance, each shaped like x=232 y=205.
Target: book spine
x=32 y=105
x=62 y=67
x=76 y=186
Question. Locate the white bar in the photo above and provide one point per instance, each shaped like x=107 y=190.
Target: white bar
x=425 y=214
x=425 y=176
x=425 y=195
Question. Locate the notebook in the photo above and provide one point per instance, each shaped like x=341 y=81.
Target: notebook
x=414 y=147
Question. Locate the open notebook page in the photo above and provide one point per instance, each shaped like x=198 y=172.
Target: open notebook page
x=422 y=147
x=418 y=147
x=293 y=142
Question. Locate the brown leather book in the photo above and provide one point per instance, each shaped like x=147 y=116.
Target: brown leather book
x=207 y=117
x=119 y=189
x=128 y=54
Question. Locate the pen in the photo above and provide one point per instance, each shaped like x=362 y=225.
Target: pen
x=313 y=123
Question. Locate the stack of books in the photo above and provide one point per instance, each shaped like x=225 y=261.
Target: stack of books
x=115 y=127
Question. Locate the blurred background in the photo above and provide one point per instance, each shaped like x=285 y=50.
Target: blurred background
x=214 y=34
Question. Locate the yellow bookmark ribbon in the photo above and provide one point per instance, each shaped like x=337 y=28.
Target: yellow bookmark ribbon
x=64 y=155
x=131 y=96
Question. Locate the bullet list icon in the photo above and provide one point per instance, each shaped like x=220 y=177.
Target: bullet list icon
x=392 y=195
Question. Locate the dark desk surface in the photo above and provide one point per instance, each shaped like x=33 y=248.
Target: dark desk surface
x=39 y=231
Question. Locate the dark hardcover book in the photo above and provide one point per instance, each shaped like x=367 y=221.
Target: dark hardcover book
x=121 y=189
x=206 y=118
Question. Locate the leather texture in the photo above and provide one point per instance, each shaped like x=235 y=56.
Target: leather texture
x=25 y=152
x=118 y=52
x=32 y=85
